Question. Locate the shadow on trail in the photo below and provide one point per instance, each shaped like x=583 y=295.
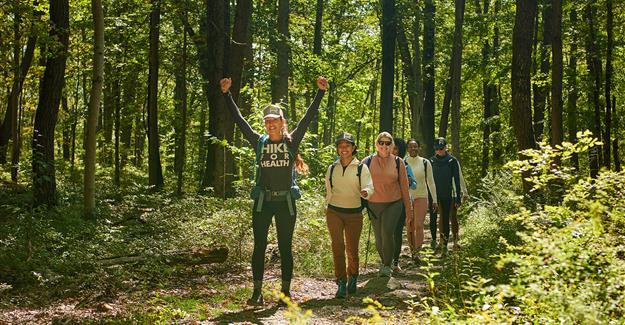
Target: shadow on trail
x=252 y=315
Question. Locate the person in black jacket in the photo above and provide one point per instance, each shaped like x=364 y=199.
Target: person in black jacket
x=274 y=193
x=445 y=168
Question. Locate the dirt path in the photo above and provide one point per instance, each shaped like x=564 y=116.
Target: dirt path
x=317 y=295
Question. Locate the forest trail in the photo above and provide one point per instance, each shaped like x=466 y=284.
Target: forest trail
x=317 y=295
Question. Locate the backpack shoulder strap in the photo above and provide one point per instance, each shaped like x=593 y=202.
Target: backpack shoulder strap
x=397 y=159
x=332 y=172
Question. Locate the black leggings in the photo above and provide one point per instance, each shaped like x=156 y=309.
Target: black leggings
x=444 y=208
x=285 y=224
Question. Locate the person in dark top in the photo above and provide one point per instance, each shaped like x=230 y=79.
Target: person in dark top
x=274 y=192
x=399 y=150
x=445 y=168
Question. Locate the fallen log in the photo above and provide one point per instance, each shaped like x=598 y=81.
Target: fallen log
x=196 y=256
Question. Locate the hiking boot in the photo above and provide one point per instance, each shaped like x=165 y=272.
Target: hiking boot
x=341 y=292
x=444 y=250
x=352 y=284
x=433 y=244
x=396 y=268
x=385 y=272
x=256 y=299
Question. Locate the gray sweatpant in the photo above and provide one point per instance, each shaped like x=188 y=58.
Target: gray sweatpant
x=384 y=222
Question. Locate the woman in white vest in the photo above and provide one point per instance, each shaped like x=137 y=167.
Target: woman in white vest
x=347 y=181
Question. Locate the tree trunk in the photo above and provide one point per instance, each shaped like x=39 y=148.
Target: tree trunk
x=154 y=157
x=456 y=87
x=572 y=85
x=594 y=71
x=497 y=146
x=44 y=181
x=117 y=131
x=608 y=86
x=180 y=102
x=408 y=71
x=444 y=125
x=314 y=124
x=21 y=70
x=389 y=32
x=416 y=130
x=94 y=106
x=429 y=70
x=542 y=86
x=556 y=74
x=487 y=95
x=521 y=87
x=615 y=151
x=280 y=80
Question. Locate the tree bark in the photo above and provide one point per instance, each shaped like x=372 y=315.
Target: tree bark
x=429 y=70
x=314 y=124
x=556 y=74
x=117 y=131
x=572 y=85
x=487 y=93
x=44 y=181
x=154 y=157
x=497 y=146
x=456 y=87
x=521 y=87
x=608 y=86
x=594 y=71
x=180 y=102
x=94 y=107
x=280 y=80
x=21 y=70
x=542 y=86
x=615 y=151
x=389 y=32
x=416 y=129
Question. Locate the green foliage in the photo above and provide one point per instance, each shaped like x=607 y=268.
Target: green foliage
x=567 y=266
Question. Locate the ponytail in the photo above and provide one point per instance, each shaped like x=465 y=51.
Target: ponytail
x=301 y=167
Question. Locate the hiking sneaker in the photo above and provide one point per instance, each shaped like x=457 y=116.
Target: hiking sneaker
x=341 y=292
x=256 y=299
x=385 y=271
x=352 y=284
x=396 y=268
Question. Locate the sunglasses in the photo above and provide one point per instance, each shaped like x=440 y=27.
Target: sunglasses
x=385 y=143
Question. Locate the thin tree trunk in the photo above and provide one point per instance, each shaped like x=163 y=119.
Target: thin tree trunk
x=615 y=151
x=429 y=70
x=444 y=125
x=572 y=85
x=417 y=112
x=594 y=71
x=608 y=86
x=541 y=89
x=314 y=124
x=154 y=159
x=521 y=87
x=487 y=93
x=280 y=80
x=117 y=131
x=495 y=97
x=44 y=180
x=94 y=105
x=556 y=74
x=456 y=86
x=180 y=101
x=389 y=32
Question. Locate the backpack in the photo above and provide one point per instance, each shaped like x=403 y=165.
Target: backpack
x=295 y=191
x=363 y=202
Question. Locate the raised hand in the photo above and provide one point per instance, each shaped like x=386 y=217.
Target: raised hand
x=225 y=84
x=322 y=83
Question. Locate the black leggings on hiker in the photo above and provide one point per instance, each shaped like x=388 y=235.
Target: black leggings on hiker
x=285 y=224
x=444 y=209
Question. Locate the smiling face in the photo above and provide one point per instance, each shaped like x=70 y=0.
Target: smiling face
x=384 y=146
x=273 y=126
x=345 y=149
x=413 y=149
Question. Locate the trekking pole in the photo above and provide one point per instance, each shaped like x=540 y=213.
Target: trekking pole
x=368 y=242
